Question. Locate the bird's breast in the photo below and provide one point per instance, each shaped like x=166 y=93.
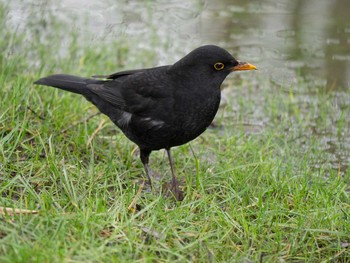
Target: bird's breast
x=197 y=112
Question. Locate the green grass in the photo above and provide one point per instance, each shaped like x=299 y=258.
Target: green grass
x=272 y=194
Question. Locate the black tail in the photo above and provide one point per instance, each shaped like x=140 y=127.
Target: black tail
x=66 y=82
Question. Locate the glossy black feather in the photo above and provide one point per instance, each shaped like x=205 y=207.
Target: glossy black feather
x=157 y=107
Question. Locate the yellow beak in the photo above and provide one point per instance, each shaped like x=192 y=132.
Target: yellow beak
x=243 y=66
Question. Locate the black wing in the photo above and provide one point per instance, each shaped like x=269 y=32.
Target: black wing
x=134 y=91
x=142 y=99
x=119 y=74
x=138 y=97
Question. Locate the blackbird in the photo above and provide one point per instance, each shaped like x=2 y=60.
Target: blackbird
x=161 y=107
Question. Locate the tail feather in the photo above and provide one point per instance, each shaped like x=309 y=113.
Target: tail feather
x=66 y=82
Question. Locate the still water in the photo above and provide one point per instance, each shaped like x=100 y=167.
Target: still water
x=291 y=42
x=287 y=39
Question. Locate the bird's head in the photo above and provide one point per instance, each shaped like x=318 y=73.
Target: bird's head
x=210 y=61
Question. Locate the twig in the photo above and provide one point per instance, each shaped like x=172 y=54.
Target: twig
x=35 y=113
x=100 y=127
x=134 y=200
x=16 y=211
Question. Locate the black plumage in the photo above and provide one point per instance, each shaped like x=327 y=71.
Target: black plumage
x=159 y=107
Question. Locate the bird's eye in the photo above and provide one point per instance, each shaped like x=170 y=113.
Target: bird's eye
x=219 y=66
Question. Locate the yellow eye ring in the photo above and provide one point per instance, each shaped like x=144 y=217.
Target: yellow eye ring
x=219 y=66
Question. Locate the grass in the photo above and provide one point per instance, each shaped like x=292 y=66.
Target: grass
x=267 y=191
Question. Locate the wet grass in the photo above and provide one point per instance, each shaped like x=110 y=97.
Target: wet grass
x=260 y=188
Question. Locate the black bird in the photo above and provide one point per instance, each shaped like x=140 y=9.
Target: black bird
x=159 y=107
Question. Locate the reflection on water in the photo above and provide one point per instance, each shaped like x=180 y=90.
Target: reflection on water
x=303 y=38
x=308 y=38
x=290 y=41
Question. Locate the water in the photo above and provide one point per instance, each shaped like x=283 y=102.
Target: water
x=287 y=39
x=291 y=42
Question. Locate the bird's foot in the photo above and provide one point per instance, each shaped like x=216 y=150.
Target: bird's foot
x=172 y=189
x=178 y=194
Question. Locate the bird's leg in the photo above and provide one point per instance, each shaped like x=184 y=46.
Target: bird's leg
x=144 y=156
x=175 y=185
